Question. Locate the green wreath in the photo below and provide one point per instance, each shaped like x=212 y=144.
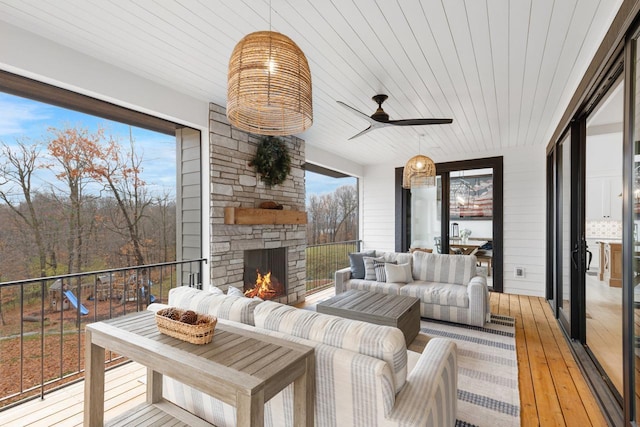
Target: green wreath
x=272 y=161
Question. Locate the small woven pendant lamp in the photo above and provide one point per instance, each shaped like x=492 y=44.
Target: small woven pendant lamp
x=269 y=86
x=420 y=171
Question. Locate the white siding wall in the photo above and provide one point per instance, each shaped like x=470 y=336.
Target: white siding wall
x=524 y=220
x=524 y=214
x=377 y=213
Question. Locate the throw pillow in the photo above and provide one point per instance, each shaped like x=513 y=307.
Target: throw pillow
x=369 y=268
x=215 y=290
x=357 y=264
x=400 y=273
x=379 y=267
x=234 y=291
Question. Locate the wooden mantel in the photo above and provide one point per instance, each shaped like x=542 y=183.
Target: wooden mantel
x=254 y=216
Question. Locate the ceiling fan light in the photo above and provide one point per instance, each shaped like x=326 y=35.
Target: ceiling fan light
x=420 y=171
x=269 y=86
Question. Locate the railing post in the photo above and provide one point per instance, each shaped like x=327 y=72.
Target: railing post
x=43 y=292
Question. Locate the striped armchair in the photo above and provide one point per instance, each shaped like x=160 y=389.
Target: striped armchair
x=446 y=285
x=364 y=374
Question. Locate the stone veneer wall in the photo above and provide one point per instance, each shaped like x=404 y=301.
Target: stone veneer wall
x=235 y=183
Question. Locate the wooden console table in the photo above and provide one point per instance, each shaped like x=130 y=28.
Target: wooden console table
x=241 y=368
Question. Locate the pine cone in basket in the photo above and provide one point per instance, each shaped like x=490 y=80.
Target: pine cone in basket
x=202 y=321
x=189 y=317
x=171 y=313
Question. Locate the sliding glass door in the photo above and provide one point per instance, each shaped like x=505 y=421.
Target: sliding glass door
x=586 y=239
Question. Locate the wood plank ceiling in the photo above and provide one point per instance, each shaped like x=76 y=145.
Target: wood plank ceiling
x=503 y=70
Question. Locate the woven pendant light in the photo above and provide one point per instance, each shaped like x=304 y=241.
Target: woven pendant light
x=420 y=171
x=269 y=86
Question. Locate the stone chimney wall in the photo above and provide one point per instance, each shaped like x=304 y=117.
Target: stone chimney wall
x=235 y=184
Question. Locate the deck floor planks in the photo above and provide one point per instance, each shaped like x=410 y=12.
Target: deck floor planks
x=584 y=392
x=571 y=404
x=546 y=399
x=528 y=408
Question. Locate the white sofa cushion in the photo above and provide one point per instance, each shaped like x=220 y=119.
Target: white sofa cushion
x=456 y=269
x=382 y=342
x=445 y=294
x=373 y=286
x=235 y=308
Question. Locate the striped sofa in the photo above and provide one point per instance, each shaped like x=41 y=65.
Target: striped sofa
x=447 y=285
x=365 y=376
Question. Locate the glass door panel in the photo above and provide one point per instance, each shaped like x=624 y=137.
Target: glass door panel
x=471 y=216
x=565 y=247
x=426 y=205
x=603 y=233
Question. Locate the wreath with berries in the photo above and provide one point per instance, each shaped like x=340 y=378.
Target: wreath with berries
x=272 y=161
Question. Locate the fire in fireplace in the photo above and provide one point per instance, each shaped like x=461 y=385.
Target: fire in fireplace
x=265 y=272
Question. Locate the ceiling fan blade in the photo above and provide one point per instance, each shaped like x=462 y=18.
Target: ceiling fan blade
x=419 y=122
x=369 y=129
x=358 y=113
x=374 y=125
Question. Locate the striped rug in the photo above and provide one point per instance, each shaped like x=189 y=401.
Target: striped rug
x=487 y=370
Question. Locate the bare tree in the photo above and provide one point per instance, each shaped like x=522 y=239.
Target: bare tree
x=347 y=201
x=315 y=212
x=119 y=170
x=16 y=173
x=333 y=216
x=165 y=221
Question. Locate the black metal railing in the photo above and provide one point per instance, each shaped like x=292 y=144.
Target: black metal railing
x=42 y=320
x=323 y=261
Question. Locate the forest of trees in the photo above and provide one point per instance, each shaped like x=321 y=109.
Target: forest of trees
x=95 y=213
x=333 y=217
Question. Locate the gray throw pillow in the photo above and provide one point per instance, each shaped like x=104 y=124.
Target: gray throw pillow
x=357 y=264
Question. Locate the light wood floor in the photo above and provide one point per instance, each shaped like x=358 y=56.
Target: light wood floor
x=553 y=391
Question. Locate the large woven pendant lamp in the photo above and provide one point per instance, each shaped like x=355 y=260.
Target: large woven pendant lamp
x=269 y=86
x=420 y=171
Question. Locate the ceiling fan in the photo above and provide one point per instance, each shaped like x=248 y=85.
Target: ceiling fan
x=380 y=119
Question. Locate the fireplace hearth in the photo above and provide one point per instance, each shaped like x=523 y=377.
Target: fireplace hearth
x=265 y=273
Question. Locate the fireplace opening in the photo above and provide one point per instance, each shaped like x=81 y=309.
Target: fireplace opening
x=265 y=273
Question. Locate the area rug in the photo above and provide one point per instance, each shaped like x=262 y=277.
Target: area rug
x=487 y=370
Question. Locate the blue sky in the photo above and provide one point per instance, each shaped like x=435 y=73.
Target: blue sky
x=322 y=184
x=21 y=117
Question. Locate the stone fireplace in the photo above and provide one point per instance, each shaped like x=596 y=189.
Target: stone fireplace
x=234 y=184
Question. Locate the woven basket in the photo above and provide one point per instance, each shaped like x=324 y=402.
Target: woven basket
x=195 y=334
